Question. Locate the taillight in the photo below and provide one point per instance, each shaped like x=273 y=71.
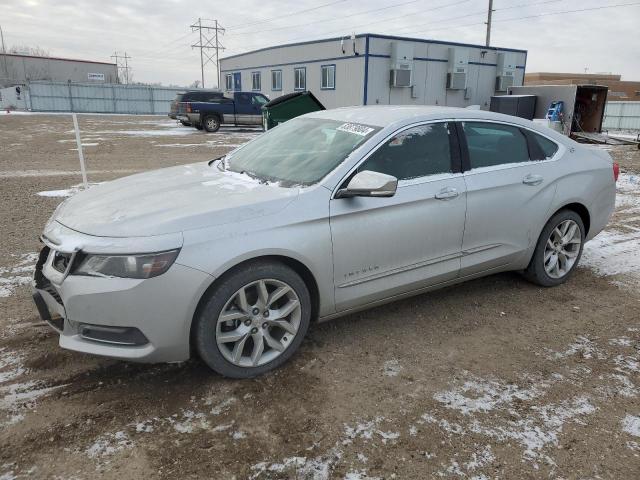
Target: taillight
x=188 y=107
x=616 y=171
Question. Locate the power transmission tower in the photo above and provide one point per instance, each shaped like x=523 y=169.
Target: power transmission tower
x=122 y=64
x=209 y=40
x=488 y=22
x=4 y=58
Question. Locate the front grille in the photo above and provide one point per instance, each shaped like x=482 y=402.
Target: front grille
x=43 y=282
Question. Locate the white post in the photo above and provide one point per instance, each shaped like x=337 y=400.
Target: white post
x=79 y=143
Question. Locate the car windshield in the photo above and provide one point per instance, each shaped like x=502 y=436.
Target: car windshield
x=301 y=151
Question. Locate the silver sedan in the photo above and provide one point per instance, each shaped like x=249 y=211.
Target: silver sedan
x=327 y=214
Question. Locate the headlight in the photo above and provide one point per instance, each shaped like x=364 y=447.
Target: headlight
x=127 y=266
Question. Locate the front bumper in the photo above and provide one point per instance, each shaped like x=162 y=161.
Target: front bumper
x=145 y=320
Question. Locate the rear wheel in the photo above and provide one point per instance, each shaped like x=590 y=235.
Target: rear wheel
x=558 y=250
x=211 y=123
x=186 y=124
x=254 y=321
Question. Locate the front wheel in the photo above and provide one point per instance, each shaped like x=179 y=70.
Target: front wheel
x=254 y=321
x=211 y=123
x=558 y=250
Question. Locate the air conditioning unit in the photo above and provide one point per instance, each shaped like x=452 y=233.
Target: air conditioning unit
x=457 y=68
x=505 y=71
x=400 y=78
x=401 y=74
x=504 y=82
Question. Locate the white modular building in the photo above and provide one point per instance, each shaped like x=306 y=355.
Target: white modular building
x=370 y=69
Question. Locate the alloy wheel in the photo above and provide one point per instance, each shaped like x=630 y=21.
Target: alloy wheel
x=562 y=249
x=258 y=323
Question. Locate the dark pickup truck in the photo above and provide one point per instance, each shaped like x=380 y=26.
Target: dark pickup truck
x=245 y=108
x=199 y=95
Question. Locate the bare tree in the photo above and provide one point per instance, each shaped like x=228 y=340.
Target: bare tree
x=26 y=50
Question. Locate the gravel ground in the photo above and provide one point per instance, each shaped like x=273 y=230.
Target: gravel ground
x=495 y=378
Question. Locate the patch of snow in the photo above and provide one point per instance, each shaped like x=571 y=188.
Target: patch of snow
x=392 y=368
x=19 y=274
x=626 y=364
x=19 y=397
x=622 y=341
x=359 y=475
x=582 y=345
x=223 y=406
x=480 y=395
x=109 y=444
x=69 y=192
x=189 y=422
x=631 y=425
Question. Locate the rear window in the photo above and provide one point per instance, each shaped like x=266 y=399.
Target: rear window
x=548 y=147
x=495 y=144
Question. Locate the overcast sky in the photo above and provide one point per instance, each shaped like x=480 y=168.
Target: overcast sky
x=156 y=33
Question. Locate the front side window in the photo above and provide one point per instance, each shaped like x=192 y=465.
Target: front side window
x=276 y=80
x=300 y=151
x=259 y=99
x=494 y=144
x=328 y=77
x=300 y=78
x=255 y=81
x=228 y=78
x=412 y=153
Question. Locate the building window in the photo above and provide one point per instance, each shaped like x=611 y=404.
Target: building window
x=228 y=78
x=328 y=77
x=276 y=80
x=300 y=78
x=255 y=81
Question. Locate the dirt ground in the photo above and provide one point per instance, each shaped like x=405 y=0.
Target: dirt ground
x=495 y=378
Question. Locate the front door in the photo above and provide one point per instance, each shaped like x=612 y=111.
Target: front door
x=388 y=246
x=509 y=195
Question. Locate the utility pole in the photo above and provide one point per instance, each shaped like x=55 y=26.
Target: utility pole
x=488 y=22
x=4 y=57
x=122 y=64
x=209 y=40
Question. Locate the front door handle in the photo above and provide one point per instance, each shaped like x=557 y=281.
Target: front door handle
x=447 y=193
x=532 y=180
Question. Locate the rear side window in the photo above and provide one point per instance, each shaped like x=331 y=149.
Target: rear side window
x=548 y=147
x=416 y=152
x=494 y=144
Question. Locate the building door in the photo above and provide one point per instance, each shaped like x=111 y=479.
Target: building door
x=237 y=81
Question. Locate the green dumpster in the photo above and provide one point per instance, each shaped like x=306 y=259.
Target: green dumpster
x=287 y=107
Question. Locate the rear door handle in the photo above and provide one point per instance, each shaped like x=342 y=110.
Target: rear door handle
x=447 y=193
x=532 y=180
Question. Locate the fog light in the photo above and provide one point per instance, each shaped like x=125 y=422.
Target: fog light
x=130 y=336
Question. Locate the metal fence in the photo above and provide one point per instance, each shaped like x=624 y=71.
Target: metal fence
x=621 y=116
x=102 y=98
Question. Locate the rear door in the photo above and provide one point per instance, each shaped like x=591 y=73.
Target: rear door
x=388 y=246
x=508 y=194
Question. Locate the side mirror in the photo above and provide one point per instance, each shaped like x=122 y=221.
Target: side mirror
x=369 y=184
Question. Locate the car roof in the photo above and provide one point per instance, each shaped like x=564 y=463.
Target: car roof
x=399 y=115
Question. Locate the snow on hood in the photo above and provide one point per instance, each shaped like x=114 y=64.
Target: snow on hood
x=171 y=200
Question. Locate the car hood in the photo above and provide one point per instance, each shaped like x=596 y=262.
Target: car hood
x=171 y=200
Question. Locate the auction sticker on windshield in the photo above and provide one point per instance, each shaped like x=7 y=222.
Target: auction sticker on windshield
x=361 y=130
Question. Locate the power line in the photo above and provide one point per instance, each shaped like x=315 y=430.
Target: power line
x=525 y=17
x=233 y=27
x=208 y=41
x=122 y=65
x=338 y=18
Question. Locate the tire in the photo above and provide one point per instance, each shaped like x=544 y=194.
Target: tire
x=198 y=126
x=542 y=269
x=186 y=124
x=219 y=351
x=211 y=123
